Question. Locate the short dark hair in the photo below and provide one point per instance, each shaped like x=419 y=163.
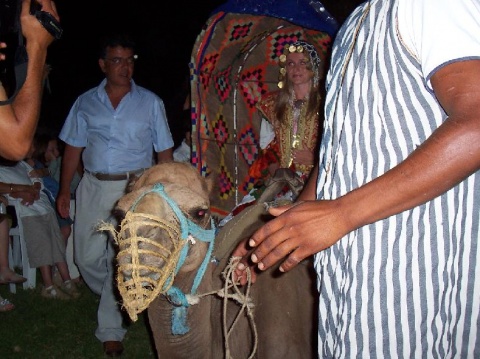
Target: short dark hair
x=114 y=40
x=40 y=142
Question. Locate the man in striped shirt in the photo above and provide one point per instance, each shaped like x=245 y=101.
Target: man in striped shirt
x=393 y=214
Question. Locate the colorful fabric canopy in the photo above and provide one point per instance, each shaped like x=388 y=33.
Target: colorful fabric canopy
x=234 y=62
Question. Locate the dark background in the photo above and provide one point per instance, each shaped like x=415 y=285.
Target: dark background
x=165 y=33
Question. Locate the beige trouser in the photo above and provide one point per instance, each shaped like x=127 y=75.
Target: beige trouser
x=94 y=251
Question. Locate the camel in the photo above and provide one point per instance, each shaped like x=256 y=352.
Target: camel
x=174 y=263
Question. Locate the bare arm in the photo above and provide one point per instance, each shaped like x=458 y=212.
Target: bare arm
x=20 y=119
x=165 y=156
x=70 y=163
x=309 y=190
x=27 y=194
x=447 y=157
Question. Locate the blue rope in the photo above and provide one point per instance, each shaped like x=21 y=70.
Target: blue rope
x=179 y=312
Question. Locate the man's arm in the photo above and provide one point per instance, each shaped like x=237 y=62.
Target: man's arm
x=19 y=120
x=165 y=156
x=309 y=190
x=447 y=157
x=70 y=162
x=26 y=193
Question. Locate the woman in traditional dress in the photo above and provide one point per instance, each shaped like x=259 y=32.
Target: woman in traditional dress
x=290 y=124
x=290 y=116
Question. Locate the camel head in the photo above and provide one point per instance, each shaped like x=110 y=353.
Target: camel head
x=166 y=230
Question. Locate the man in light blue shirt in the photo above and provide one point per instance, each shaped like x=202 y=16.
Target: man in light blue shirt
x=114 y=128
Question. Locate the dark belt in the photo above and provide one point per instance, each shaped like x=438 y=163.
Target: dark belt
x=116 y=176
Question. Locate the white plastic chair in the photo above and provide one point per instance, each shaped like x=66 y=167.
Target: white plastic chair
x=17 y=254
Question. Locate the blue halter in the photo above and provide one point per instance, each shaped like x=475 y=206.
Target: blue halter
x=188 y=227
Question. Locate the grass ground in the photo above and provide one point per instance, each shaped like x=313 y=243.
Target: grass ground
x=40 y=328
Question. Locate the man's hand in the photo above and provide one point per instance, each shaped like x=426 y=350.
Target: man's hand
x=297 y=232
x=27 y=194
x=244 y=251
x=70 y=163
x=63 y=204
x=34 y=32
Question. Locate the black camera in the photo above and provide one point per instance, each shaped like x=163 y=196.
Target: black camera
x=46 y=19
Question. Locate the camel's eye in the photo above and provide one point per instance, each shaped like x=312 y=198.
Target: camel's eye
x=199 y=213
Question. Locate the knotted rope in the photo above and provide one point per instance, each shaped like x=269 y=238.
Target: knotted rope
x=241 y=298
x=231 y=291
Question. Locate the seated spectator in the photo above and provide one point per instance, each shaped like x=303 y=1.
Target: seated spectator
x=43 y=153
x=45 y=246
x=44 y=150
x=6 y=274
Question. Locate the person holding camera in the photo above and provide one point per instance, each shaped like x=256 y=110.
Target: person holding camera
x=19 y=118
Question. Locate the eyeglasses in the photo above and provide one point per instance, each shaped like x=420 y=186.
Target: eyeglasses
x=120 y=60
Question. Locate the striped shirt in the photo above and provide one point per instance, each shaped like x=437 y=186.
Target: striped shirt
x=407 y=286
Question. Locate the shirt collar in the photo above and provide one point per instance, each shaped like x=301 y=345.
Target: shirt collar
x=103 y=94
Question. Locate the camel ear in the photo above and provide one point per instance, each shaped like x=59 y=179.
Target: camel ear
x=210 y=182
x=118 y=213
x=125 y=202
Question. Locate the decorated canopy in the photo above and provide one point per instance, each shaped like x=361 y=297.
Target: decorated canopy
x=234 y=62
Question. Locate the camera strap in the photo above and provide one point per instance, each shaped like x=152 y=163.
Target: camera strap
x=20 y=69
